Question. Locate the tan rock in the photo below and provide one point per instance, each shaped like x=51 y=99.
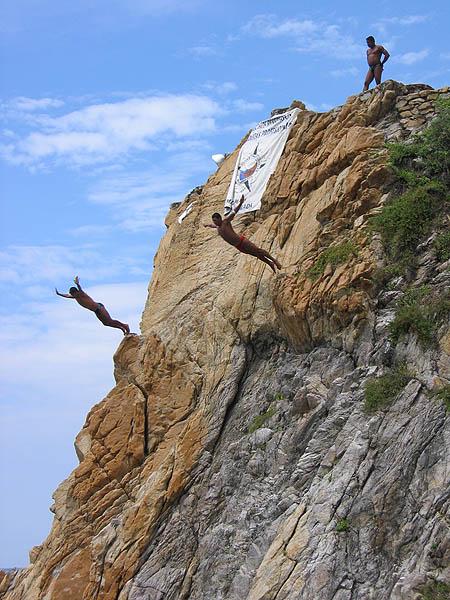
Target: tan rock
x=140 y=447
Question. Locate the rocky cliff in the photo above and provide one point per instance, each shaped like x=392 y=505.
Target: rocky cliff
x=236 y=457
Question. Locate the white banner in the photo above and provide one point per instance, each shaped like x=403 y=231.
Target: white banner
x=257 y=161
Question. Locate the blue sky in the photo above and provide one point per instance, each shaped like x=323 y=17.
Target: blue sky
x=110 y=111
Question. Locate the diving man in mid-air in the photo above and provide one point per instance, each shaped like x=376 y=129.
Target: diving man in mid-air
x=374 y=52
x=227 y=233
x=76 y=293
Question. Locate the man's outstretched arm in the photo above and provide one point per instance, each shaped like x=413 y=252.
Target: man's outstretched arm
x=232 y=214
x=76 y=281
x=64 y=295
x=210 y=225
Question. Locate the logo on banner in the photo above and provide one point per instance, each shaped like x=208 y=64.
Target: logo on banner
x=248 y=169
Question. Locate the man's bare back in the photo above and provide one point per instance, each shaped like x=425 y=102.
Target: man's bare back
x=86 y=301
x=374 y=54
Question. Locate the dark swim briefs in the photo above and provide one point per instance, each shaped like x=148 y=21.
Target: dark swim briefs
x=242 y=239
x=99 y=306
x=372 y=67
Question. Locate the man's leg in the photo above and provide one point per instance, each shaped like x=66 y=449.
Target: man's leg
x=274 y=260
x=267 y=261
x=368 y=81
x=378 y=70
x=105 y=318
x=250 y=248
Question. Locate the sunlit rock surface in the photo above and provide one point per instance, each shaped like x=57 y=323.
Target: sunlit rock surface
x=235 y=445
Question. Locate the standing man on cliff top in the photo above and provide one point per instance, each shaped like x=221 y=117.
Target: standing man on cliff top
x=76 y=293
x=241 y=243
x=374 y=61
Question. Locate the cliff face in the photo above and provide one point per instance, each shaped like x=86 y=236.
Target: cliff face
x=234 y=458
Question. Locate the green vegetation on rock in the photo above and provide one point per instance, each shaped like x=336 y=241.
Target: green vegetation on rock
x=408 y=218
x=381 y=391
x=342 y=526
x=442 y=246
x=422 y=167
x=443 y=395
x=259 y=420
x=333 y=256
x=427 y=156
x=435 y=590
x=420 y=312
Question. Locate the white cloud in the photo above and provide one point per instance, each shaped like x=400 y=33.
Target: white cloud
x=58 y=338
x=239 y=128
x=404 y=21
x=93 y=231
x=9 y=133
x=322 y=107
x=32 y=104
x=47 y=345
x=413 y=19
x=23 y=15
x=139 y=200
x=241 y=105
x=227 y=87
x=102 y=132
x=155 y=7
x=353 y=71
x=411 y=58
x=202 y=51
x=308 y=36
x=57 y=265
x=267 y=26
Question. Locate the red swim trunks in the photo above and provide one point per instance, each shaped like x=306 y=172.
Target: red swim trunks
x=241 y=243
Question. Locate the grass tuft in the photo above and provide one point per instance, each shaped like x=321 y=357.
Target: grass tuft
x=342 y=526
x=435 y=590
x=381 y=391
x=443 y=395
x=408 y=218
x=442 y=246
x=420 y=312
x=334 y=256
x=259 y=420
x=422 y=167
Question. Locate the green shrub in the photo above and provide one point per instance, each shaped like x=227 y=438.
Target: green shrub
x=381 y=391
x=334 y=256
x=443 y=395
x=259 y=420
x=422 y=167
x=442 y=246
x=428 y=153
x=412 y=316
x=342 y=526
x=419 y=312
x=405 y=220
x=435 y=590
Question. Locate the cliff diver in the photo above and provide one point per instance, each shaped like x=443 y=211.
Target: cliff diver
x=227 y=233
x=78 y=294
x=374 y=61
